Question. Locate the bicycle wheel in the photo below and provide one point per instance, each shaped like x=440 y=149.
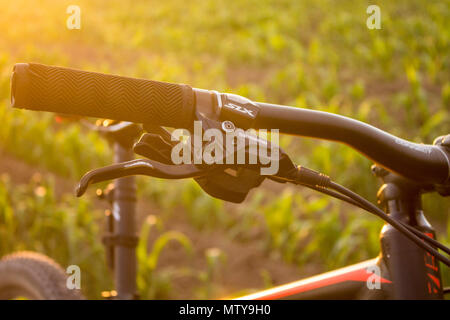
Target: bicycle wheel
x=34 y=276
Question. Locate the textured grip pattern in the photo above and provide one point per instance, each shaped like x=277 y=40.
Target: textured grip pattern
x=63 y=90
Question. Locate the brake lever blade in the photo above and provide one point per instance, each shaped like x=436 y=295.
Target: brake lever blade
x=138 y=167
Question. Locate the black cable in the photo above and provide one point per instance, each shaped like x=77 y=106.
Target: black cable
x=396 y=224
x=333 y=194
x=354 y=202
x=410 y=228
x=320 y=182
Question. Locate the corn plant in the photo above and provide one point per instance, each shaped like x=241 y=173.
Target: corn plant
x=153 y=284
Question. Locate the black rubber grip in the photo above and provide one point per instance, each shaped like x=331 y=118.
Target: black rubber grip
x=63 y=90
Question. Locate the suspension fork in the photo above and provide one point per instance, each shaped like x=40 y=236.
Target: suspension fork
x=414 y=272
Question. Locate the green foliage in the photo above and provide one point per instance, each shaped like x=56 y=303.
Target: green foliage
x=33 y=218
x=36 y=138
x=153 y=284
x=215 y=259
x=316 y=54
x=203 y=211
x=316 y=229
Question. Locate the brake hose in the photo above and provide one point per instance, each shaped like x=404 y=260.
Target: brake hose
x=323 y=183
x=354 y=202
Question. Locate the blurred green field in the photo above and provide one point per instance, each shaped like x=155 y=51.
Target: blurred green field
x=316 y=54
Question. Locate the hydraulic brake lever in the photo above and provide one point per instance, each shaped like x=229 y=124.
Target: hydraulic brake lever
x=139 y=167
x=230 y=182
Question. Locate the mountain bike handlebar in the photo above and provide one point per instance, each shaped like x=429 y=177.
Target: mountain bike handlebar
x=64 y=90
x=420 y=162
